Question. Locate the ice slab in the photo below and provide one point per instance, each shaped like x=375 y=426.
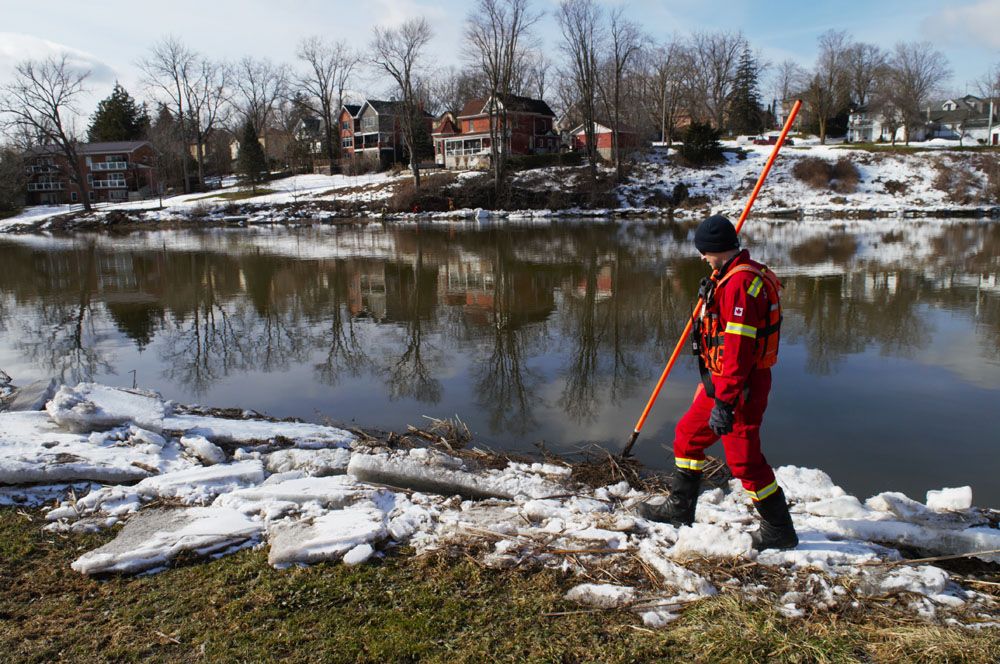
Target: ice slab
x=92 y=407
x=218 y=429
x=33 y=396
x=318 y=463
x=336 y=492
x=153 y=537
x=327 y=537
x=434 y=472
x=34 y=450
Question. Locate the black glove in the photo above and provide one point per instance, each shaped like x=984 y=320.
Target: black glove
x=705 y=288
x=721 y=419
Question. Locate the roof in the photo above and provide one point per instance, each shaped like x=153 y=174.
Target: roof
x=601 y=128
x=390 y=107
x=353 y=109
x=110 y=147
x=512 y=102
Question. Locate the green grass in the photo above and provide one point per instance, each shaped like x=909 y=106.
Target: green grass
x=237 y=195
x=441 y=608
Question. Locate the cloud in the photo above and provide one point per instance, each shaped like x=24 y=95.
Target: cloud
x=976 y=22
x=15 y=47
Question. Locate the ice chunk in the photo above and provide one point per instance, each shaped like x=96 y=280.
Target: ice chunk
x=358 y=554
x=899 y=505
x=421 y=473
x=703 y=539
x=601 y=595
x=201 y=484
x=845 y=507
x=34 y=450
x=33 y=396
x=675 y=575
x=959 y=498
x=153 y=537
x=306 y=436
x=203 y=450
x=312 y=462
x=327 y=537
x=806 y=484
x=334 y=492
x=90 y=407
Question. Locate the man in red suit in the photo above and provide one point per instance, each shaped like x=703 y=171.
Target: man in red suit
x=736 y=340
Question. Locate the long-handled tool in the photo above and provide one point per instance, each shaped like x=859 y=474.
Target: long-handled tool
x=687 y=328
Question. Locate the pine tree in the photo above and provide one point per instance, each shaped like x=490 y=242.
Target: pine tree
x=118 y=118
x=251 y=162
x=745 y=116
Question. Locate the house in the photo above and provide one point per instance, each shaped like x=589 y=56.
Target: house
x=968 y=118
x=377 y=132
x=628 y=139
x=115 y=171
x=463 y=140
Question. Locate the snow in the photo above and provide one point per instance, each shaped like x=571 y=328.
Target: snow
x=298 y=502
x=959 y=498
x=601 y=595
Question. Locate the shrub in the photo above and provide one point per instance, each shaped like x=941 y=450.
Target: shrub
x=841 y=176
x=700 y=145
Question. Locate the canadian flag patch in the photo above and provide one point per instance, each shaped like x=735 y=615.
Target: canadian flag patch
x=738 y=311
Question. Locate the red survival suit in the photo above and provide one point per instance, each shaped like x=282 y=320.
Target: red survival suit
x=736 y=339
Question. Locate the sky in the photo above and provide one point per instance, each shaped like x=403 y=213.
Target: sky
x=110 y=36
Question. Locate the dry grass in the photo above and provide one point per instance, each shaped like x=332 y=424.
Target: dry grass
x=841 y=176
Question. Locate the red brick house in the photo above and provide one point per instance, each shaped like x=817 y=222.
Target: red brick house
x=115 y=171
x=348 y=123
x=604 y=137
x=462 y=140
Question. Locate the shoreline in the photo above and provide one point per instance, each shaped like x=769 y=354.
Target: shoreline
x=193 y=484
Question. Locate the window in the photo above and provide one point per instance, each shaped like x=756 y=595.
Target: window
x=469 y=127
x=369 y=123
x=347 y=142
x=73 y=197
x=346 y=124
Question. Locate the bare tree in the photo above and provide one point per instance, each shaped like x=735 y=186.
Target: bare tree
x=536 y=79
x=917 y=70
x=166 y=71
x=716 y=55
x=208 y=95
x=988 y=85
x=580 y=23
x=865 y=63
x=450 y=88
x=624 y=42
x=788 y=80
x=259 y=86
x=398 y=52
x=41 y=102
x=666 y=71
x=828 y=87
x=497 y=33
x=329 y=68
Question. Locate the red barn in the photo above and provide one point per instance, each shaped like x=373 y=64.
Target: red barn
x=604 y=137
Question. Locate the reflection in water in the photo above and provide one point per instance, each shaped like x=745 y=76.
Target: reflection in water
x=524 y=324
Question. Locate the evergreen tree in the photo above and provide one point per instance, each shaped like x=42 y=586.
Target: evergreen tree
x=118 y=118
x=251 y=162
x=745 y=116
x=700 y=146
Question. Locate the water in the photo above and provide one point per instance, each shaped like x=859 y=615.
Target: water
x=550 y=334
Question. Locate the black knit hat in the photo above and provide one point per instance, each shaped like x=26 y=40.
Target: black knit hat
x=716 y=235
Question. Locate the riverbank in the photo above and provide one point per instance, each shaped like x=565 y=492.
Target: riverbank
x=932 y=183
x=106 y=483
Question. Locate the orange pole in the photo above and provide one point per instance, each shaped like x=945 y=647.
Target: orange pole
x=687 y=328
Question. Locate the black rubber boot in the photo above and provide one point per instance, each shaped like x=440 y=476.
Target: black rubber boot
x=678 y=508
x=776 y=528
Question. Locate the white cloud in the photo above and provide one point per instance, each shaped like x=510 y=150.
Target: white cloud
x=15 y=47
x=976 y=22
